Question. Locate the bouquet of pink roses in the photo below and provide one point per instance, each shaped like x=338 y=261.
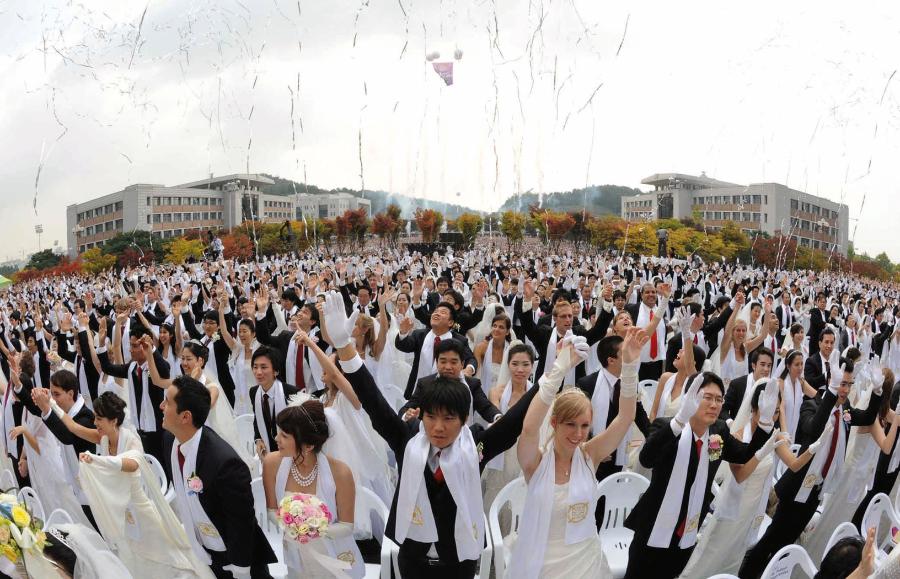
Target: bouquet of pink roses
x=303 y=517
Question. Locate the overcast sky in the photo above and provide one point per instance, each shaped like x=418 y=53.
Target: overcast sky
x=548 y=95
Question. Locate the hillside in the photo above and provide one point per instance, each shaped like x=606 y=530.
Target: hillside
x=600 y=199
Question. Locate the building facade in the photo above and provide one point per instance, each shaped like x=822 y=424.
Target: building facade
x=772 y=208
x=328 y=206
x=214 y=203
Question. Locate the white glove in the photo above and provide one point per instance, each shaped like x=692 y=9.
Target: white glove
x=875 y=374
x=768 y=403
x=56 y=409
x=628 y=379
x=339 y=530
x=690 y=402
x=582 y=349
x=550 y=382
x=684 y=324
x=272 y=517
x=774 y=442
x=336 y=320
x=237 y=571
x=836 y=378
x=826 y=435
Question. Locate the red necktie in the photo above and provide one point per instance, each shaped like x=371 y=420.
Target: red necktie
x=438 y=473
x=300 y=379
x=696 y=338
x=833 y=447
x=654 y=346
x=140 y=374
x=437 y=340
x=180 y=460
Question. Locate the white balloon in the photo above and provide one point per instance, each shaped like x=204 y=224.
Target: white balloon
x=435 y=55
x=457 y=54
x=429 y=57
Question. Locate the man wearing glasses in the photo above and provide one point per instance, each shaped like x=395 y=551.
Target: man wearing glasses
x=799 y=492
x=685 y=452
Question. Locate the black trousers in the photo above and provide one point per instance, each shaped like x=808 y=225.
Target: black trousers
x=651 y=370
x=220 y=560
x=788 y=522
x=645 y=562
x=416 y=567
x=22 y=481
x=883 y=483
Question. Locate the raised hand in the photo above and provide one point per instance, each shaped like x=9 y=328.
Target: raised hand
x=406 y=325
x=635 y=338
x=664 y=289
x=825 y=436
x=686 y=321
x=690 y=401
x=335 y=320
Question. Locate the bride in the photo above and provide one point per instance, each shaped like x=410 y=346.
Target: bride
x=300 y=466
x=558 y=532
x=134 y=517
x=490 y=351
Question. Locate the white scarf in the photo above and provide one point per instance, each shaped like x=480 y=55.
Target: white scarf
x=603 y=390
x=667 y=518
x=312 y=370
x=9 y=422
x=487 y=378
x=459 y=464
x=551 y=357
x=427 y=363
x=814 y=474
x=147 y=422
x=792 y=403
x=528 y=554
x=276 y=394
x=644 y=314
x=895 y=459
x=199 y=528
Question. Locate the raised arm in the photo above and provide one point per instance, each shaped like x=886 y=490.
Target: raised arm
x=330 y=368
x=760 y=338
x=605 y=443
x=725 y=346
x=223 y=327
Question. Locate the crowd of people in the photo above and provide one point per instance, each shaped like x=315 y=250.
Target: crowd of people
x=757 y=406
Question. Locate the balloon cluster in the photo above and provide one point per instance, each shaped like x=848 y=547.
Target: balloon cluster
x=434 y=55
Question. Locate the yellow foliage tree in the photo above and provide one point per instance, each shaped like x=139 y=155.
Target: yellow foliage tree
x=469 y=224
x=639 y=238
x=94 y=261
x=181 y=249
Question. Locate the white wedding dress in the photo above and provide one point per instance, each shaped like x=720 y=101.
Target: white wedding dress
x=135 y=518
x=300 y=563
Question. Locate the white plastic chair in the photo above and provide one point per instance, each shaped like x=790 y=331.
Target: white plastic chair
x=622 y=491
x=487 y=554
x=514 y=495
x=648 y=387
x=58 y=517
x=29 y=498
x=167 y=490
x=786 y=560
x=880 y=507
x=780 y=467
x=393 y=395
x=724 y=576
x=8 y=480
x=842 y=531
x=370 y=503
x=244 y=424
x=272 y=533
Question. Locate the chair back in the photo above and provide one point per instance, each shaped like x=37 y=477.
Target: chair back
x=622 y=491
x=786 y=561
x=29 y=498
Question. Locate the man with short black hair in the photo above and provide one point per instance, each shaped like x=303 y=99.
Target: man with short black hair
x=818 y=368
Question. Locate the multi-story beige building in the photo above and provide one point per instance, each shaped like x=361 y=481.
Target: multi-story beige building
x=214 y=203
x=329 y=205
x=772 y=208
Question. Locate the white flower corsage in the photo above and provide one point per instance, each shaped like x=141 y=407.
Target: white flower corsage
x=715 y=447
x=194 y=484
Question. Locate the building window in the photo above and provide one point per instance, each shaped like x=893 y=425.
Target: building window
x=757 y=199
x=119 y=223
x=167 y=218
x=156 y=218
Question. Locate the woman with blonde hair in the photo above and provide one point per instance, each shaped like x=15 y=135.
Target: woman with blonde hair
x=558 y=531
x=734 y=353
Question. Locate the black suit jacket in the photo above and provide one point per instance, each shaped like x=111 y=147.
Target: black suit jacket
x=814 y=414
x=659 y=453
x=779 y=312
x=157 y=393
x=289 y=390
x=641 y=420
x=480 y=402
x=540 y=334
x=814 y=371
x=734 y=396
x=227 y=499
x=84 y=417
x=282 y=342
x=493 y=441
x=816 y=324
x=90 y=371
x=413 y=343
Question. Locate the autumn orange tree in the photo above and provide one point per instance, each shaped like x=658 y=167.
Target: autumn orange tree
x=388 y=225
x=552 y=225
x=429 y=223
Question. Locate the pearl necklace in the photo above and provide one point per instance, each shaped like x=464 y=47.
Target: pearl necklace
x=304 y=481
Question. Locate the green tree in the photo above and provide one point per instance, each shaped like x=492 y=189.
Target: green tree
x=512 y=225
x=884 y=261
x=43 y=260
x=469 y=224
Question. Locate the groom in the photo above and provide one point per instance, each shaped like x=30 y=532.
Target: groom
x=212 y=487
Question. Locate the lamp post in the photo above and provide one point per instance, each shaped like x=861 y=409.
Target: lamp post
x=39 y=229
